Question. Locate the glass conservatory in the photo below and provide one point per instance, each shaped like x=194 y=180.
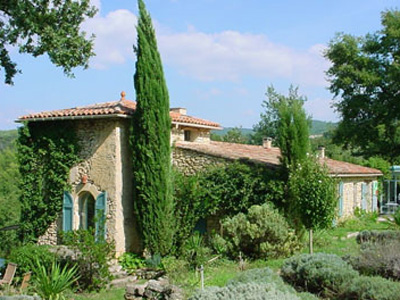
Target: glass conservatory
x=391 y=188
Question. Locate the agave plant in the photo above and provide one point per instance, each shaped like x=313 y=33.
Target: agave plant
x=51 y=284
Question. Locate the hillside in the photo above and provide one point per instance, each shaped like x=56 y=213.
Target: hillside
x=7 y=138
x=317 y=127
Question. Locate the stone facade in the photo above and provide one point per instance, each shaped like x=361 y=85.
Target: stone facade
x=352 y=194
x=105 y=166
x=197 y=135
x=189 y=162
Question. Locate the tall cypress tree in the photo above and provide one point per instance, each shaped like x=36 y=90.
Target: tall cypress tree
x=153 y=199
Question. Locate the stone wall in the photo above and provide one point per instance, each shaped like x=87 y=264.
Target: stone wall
x=105 y=166
x=352 y=190
x=189 y=162
x=197 y=135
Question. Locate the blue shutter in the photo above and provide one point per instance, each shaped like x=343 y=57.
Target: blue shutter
x=374 y=196
x=340 y=198
x=100 y=216
x=68 y=211
x=363 y=196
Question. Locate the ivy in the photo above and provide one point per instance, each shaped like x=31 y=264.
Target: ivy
x=46 y=153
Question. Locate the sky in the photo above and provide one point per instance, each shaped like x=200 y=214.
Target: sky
x=219 y=57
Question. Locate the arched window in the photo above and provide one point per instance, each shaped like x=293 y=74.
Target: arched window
x=86 y=210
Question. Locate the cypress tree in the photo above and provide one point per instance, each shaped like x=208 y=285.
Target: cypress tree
x=151 y=127
x=292 y=128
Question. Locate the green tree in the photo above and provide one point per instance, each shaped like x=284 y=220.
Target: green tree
x=292 y=126
x=151 y=143
x=37 y=27
x=312 y=194
x=9 y=194
x=365 y=79
x=235 y=135
x=267 y=126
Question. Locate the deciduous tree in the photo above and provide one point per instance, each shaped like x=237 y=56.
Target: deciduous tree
x=365 y=79
x=37 y=27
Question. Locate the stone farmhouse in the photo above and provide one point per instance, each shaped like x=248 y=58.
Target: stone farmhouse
x=103 y=178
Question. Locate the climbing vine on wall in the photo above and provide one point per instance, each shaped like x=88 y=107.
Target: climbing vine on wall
x=46 y=153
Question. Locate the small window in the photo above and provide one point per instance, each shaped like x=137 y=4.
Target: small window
x=86 y=211
x=187 y=135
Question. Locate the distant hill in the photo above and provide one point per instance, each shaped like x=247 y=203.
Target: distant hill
x=7 y=138
x=320 y=127
x=317 y=127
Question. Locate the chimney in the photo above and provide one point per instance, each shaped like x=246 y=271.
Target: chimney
x=179 y=110
x=267 y=143
x=321 y=152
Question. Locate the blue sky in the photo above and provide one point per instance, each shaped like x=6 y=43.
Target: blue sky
x=219 y=56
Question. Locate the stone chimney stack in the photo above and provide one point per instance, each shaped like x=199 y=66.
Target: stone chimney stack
x=179 y=110
x=321 y=152
x=267 y=143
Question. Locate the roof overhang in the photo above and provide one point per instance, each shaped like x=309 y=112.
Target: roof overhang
x=356 y=175
x=196 y=125
x=90 y=117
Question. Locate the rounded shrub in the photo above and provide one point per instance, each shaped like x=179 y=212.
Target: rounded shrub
x=317 y=273
x=370 y=288
x=249 y=291
x=261 y=233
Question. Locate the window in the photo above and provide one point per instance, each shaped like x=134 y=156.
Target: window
x=86 y=210
x=187 y=135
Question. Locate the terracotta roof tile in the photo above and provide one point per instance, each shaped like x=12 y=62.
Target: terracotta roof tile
x=271 y=156
x=121 y=107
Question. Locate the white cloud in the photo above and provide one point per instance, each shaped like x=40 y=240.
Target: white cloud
x=223 y=56
x=231 y=55
x=115 y=35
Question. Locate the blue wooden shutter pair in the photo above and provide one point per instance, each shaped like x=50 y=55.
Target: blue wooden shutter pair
x=100 y=216
x=363 y=196
x=68 y=211
x=340 y=198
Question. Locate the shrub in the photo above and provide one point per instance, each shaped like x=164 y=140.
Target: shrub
x=194 y=250
x=370 y=288
x=188 y=207
x=91 y=257
x=260 y=233
x=396 y=216
x=317 y=273
x=154 y=261
x=131 y=261
x=377 y=236
x=378 y=259
x=26 y=256
x=249 y=291
x=217 y=244
x=50 y=283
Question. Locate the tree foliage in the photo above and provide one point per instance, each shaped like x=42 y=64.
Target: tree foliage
x=151 y=139
x=9 y=194
x=46 y=153
x=233 y=188
x=313 y=196
x=365 y=79
x=292 y=127
x=285 y=120
x=37 y=27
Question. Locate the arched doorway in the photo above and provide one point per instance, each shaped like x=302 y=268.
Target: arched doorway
x=86 y=210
